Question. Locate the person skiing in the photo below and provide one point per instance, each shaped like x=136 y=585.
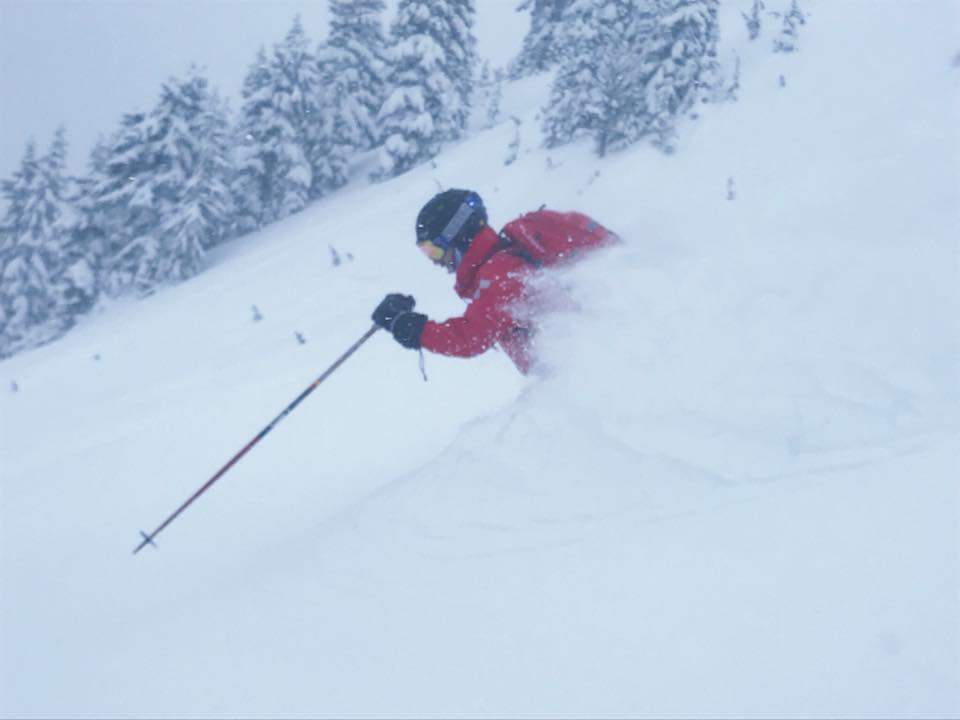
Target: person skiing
x=493 y=274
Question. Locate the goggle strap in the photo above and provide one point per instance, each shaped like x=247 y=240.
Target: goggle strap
x=459 y=219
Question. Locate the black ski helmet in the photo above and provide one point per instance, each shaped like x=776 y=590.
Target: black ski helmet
x=451 y=218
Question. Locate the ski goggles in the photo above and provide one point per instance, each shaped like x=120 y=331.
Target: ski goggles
x=432 y=250
x=435 y=248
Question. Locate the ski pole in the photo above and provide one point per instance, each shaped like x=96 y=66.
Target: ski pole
x=148 y=539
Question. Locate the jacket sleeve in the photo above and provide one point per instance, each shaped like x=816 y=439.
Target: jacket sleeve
x=487 y=318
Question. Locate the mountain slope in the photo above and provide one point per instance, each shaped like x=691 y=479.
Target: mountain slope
x=730 y=492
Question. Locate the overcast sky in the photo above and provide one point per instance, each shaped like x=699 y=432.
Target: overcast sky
x=84 y=63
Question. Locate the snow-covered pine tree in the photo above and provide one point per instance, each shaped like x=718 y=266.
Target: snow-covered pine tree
x=542 y=46
x=351 y=71
x=278 y=130
x=256 y=162
x=162 y=193
x=572 y=108
x=353 y=60
x=513 y=149
x=332 y=146
x=296 y=96
x=433 y=57
x=123 y=196
x=599 y=87
x=191 y=138
x=25 y=299
x=462 y=59
x=623 y=71
x=492 y=94
x=792 y=19
x=682 y=60
x=79 y=280
x=753 y=19
x=729 y=90
x=33 y=236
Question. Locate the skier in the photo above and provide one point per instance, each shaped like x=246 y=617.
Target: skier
x=493 y=274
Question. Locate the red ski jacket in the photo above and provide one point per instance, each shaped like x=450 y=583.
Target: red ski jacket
x=493 y=281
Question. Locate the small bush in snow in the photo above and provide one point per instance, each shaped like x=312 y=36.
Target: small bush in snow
x=792 y=19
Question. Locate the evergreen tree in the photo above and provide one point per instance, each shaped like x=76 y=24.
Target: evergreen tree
x=191 y=182
x=123 y=197
x=683 y=59
x=296 y=96
x=753 y=19
x=353 y=64
x=79 y=281
x=281 y=129
x=792 y=19
x=334 y=136
x=351 y=74
x=33 y=237
x=433 y=58
x=728 y=90
x=630 y=69
x=162 y=194
x=25 y=299
x=461 y=51
x=623 y=72
x=542 y=47
x=599 y=87
x=257 y=164
x=490 y=94
x=76 y=282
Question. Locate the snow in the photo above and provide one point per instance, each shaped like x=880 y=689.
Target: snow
x=730 y=491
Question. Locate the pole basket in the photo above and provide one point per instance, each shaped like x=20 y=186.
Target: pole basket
x=147 y=540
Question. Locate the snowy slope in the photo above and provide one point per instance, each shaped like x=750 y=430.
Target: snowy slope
x=733 y=492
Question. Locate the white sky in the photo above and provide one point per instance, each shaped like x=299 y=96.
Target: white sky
x=84 y=63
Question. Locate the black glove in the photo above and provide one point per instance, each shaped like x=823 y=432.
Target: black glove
x=407 y=329
x=395 y=315
x=391 y=308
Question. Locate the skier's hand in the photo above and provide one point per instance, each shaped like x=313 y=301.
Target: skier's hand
x=407 y=329
x=393 y=306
